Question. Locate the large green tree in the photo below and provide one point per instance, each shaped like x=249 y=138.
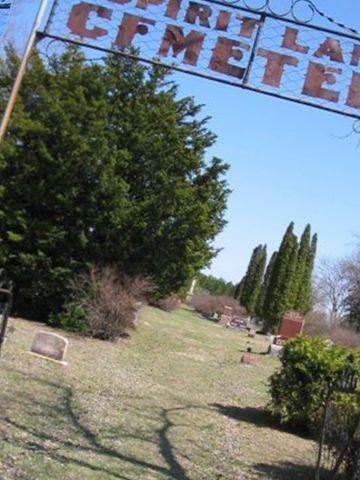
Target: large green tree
x=251 y=282
x=103 y=163
x=265 y=286
x=280 y=292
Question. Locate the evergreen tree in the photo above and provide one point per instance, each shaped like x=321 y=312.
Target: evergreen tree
x=280 y=291
x=304 y=295
x=103 y=163
x=214 y=286
x=238 y=290
x=292 y=284
x=265 y=285
x=252 y=280
x=302 y=260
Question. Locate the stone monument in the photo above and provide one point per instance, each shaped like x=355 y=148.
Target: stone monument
x=226 y=316
x=50 y=346
x=291 y=325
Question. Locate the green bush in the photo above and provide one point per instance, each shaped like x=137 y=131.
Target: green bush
x=73 y=318
x=298 y=389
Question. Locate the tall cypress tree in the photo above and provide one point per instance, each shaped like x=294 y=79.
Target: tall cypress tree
x=281 y=285
x=246 y=282
x=251 y=283
x=292 y=284
x=301 y=267
x=303 y=301
x=238 y=289
x=265 y=285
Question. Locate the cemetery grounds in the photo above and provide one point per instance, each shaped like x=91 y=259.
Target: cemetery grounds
x=172 y=401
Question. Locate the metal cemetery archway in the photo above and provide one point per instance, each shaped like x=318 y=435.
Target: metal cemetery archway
x=241 y=43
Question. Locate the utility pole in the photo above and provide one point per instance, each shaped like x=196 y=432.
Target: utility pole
x=22 y=69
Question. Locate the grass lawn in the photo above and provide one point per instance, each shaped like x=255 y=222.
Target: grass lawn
x=171 y=402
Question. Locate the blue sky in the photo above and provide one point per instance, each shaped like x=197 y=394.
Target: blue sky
x=288 y=163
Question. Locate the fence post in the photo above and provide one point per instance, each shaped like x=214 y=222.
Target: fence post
x=20 y=75
x=5 y=315
x=323 y=430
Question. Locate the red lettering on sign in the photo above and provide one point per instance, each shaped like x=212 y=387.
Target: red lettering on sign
x=355 y=56
x=330 y=48
x=317 y=75
x=130 y=26
x=198 y=11
x=290 y=41
x=79 y=18
x=223 y=20
x=247 y=26
x=174 y=38
x=353 y=99
x=173 y=8
x=275 y=66
x=121 y=2
x=223 y=52
x=143 y=4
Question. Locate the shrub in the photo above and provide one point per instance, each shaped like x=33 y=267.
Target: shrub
x=298 y=389
x=346 y=337
x=73 y=319
x=208 y=305
x=168 y=304
x=316 y=324
x=104 y=303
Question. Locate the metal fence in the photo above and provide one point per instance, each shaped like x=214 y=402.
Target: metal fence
x=4 y=15
x=339 y=443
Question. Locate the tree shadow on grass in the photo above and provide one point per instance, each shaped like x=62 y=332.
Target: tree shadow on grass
x=86 y=439
x=285 y=471
x=259 y=417
x=262 y=419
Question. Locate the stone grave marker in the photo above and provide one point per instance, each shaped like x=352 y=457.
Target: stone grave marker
x=249 y=359
x=275 y=350
x=226 y=315
x=252 y=333
x=291 y=325
x=50 y=346
x=238 y=322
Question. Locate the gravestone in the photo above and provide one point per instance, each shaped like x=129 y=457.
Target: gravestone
x=50 y=346
x=292 y=325
x=252 y=333
x=237 y=322
x=275 y=350
x=249 y=359
x=227 y=311
x=226 y=316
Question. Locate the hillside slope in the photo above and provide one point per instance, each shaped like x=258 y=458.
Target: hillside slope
x=171 y=402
